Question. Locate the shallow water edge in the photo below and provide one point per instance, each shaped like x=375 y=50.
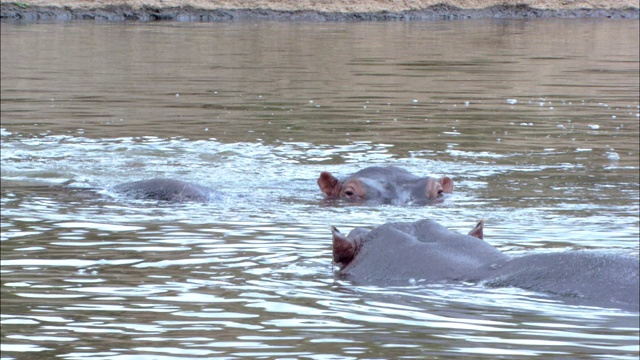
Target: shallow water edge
x=24 y=12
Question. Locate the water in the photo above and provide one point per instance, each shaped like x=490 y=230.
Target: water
x=536 y=122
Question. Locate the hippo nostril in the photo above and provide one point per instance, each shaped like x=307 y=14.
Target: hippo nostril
x=349 y=193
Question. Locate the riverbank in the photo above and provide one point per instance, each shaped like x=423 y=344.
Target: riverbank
x=311 y=10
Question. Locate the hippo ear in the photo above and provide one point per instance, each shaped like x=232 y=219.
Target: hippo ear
x=477 y=231
x=447 y=184
x=328 y=184
x=344 y=248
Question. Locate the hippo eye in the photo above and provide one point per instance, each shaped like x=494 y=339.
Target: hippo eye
x=350 y=193
x=440 y=192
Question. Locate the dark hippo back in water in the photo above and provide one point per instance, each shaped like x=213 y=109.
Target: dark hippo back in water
x=167 y=190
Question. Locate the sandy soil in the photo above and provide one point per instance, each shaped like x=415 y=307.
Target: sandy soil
x=211 y=10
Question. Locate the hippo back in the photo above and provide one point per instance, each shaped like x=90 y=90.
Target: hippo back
x=580 y=277
x=167 y=190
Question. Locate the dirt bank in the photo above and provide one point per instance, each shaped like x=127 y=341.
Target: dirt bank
x=311 y=10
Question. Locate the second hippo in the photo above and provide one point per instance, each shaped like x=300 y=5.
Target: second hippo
x=386 y=185
x=167 y=190
x=427 y=252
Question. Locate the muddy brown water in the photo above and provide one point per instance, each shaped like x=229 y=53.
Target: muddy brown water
x=536 y=122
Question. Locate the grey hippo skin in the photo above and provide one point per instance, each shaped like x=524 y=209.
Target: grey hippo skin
x=386 y=185
x=167 y=190
x=426 y=251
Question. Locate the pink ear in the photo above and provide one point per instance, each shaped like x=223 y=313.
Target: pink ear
x=478 y=230
x=328 y=184
x=447 y=184
x=344 y=248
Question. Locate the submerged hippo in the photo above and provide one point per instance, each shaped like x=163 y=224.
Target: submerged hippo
x=167 y=190
x=428 y=252
x=387 y=185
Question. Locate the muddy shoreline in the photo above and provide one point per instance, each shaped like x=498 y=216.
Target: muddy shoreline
x=18 y=11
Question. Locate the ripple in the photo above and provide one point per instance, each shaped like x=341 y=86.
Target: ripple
x=97 y=226
x=529 y=142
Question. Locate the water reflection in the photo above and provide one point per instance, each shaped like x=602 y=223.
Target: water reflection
x=525 y=116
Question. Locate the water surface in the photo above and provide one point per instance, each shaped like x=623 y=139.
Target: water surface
x=536 y=122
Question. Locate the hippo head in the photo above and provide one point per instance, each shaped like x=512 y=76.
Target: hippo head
x=385 y=185
x=346 y=248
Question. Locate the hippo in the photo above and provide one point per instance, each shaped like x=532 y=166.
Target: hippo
x=386 y=185
x=427 y=252
x=167 y=190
